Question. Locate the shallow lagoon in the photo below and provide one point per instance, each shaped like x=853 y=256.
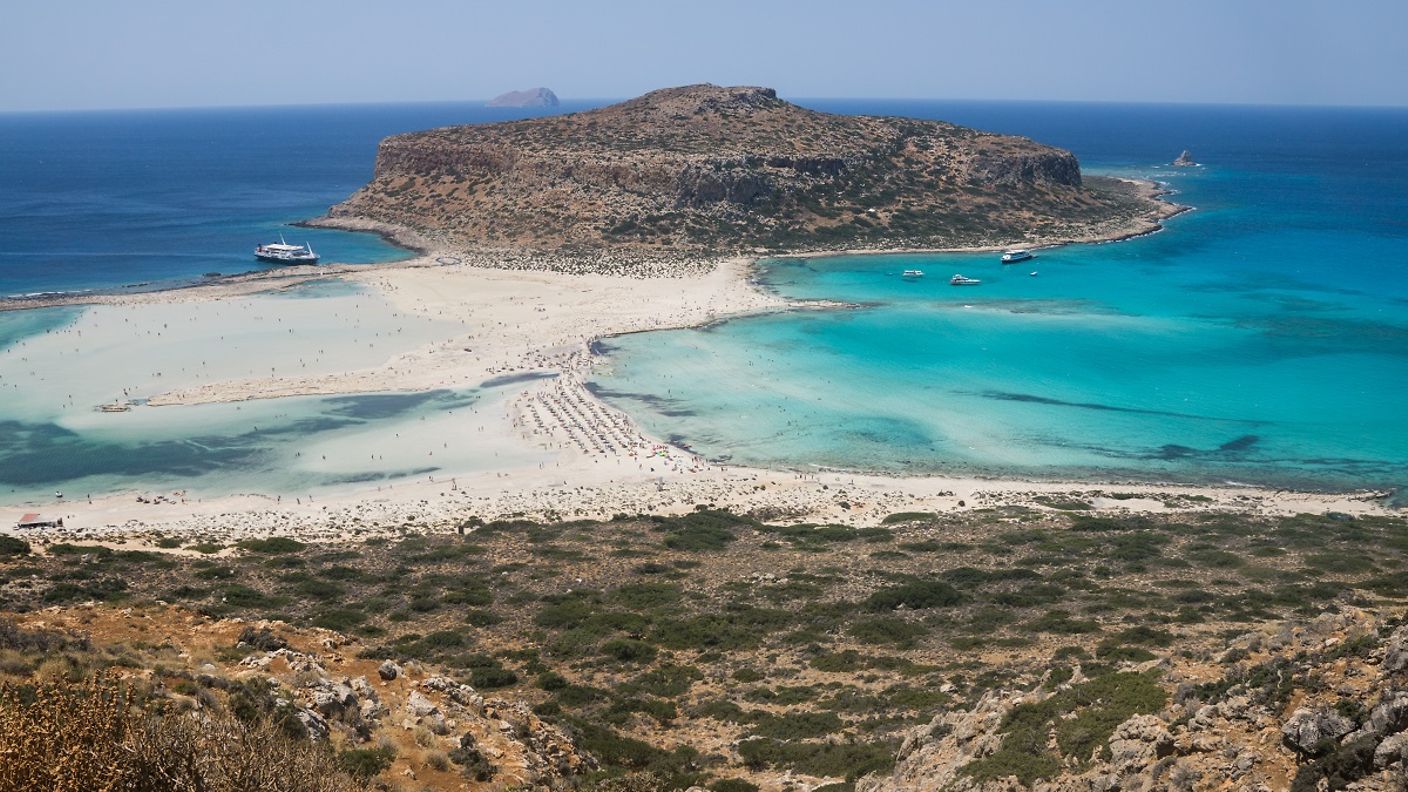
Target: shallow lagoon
x=1262 y=339
x=58 y=365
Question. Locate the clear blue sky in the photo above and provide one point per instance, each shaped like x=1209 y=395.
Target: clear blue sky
x=69 y=54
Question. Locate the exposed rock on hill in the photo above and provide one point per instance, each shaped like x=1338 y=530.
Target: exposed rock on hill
x=1309 y=706
x=708 y=169
x=533 y=97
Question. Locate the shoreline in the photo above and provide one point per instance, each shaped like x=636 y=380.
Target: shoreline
x=427 y=253
x=602 y=462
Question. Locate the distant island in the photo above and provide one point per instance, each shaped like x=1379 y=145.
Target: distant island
x=710 y=170
x=1185 y=160
x=533 y=97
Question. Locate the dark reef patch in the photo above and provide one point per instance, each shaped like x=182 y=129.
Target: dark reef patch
x=1035 y=399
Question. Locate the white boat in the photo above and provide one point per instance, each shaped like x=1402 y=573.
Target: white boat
x=1014 y=256
x=959 y=280
x=912 y=274
x=284 y=253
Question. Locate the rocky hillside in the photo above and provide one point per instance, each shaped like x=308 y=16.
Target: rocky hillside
x=1317 y=705
x=380 y=720
x=708 y=169
x=1068 y=644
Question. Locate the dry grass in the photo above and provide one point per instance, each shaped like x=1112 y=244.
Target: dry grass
x=94 y=737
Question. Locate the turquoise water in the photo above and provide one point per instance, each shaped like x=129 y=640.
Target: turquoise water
x=1261 y=339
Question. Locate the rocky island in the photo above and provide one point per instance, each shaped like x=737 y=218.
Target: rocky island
x=713 y=170
x=533 y=97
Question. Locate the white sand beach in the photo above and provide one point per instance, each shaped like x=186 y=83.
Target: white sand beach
x=540 y=446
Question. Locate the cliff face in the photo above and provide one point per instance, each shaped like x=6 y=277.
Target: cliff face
x=705 y=168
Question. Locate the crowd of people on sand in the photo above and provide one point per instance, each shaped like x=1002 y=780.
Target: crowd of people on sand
x=621 y=263
x=173 y=499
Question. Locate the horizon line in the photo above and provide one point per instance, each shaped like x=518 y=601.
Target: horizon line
x=612 y=100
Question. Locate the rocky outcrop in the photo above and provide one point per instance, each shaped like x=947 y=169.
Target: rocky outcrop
x=1308 y=730
x=533 y=97
x=1185 y=160
x=710 y=169
x=1307 y=706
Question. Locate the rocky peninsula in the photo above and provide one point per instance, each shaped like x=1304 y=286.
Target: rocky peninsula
x=711 y=170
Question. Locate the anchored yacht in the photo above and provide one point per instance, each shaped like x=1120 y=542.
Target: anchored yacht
x=284 y=253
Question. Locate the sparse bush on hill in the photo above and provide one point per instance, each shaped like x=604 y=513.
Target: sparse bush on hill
x=11 y=546
x=915 y=595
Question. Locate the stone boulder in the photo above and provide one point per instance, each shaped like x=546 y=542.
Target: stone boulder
x=1396 y=652
x=1390 y=715
x=464 y=695
x=388 y=670
x=314 y=723
x=1139 y=742
x=420 y=706
x=1392 y=751
x=335 y=700
x=1309 y=729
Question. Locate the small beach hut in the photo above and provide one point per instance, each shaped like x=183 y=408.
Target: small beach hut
x=34 y=520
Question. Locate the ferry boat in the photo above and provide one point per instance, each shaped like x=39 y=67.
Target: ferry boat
x=1014 y=256
x=284 y=253
x=959 y=280
x=912 y=274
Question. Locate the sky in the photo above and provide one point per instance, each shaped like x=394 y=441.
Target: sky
x=91 y=54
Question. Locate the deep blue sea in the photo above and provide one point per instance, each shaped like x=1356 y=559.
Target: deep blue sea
x=123 y=199
x=1261 y=338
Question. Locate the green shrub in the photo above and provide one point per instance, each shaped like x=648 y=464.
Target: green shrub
x=629 y=650
x=339 y=619
x=551 y=680
x=903 y=517
x=915 y=595
x=365 y=763
x=492 y=678
x=797 y=725
x=705 y=529
x=11 y=546
x=888 y=630
x=647 y=596
x=272 y=546
x=843 y=760
x=667 y=681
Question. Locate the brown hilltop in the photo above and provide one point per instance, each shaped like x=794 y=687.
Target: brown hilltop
x=706 y=169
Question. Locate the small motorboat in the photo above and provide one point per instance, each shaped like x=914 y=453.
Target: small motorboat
x=1032 y=273
x=912 y=274
x=960 y=280
x=1014 y=256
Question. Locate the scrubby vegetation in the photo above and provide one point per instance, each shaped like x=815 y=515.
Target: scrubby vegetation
x=763 y=649
x=62 y=736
